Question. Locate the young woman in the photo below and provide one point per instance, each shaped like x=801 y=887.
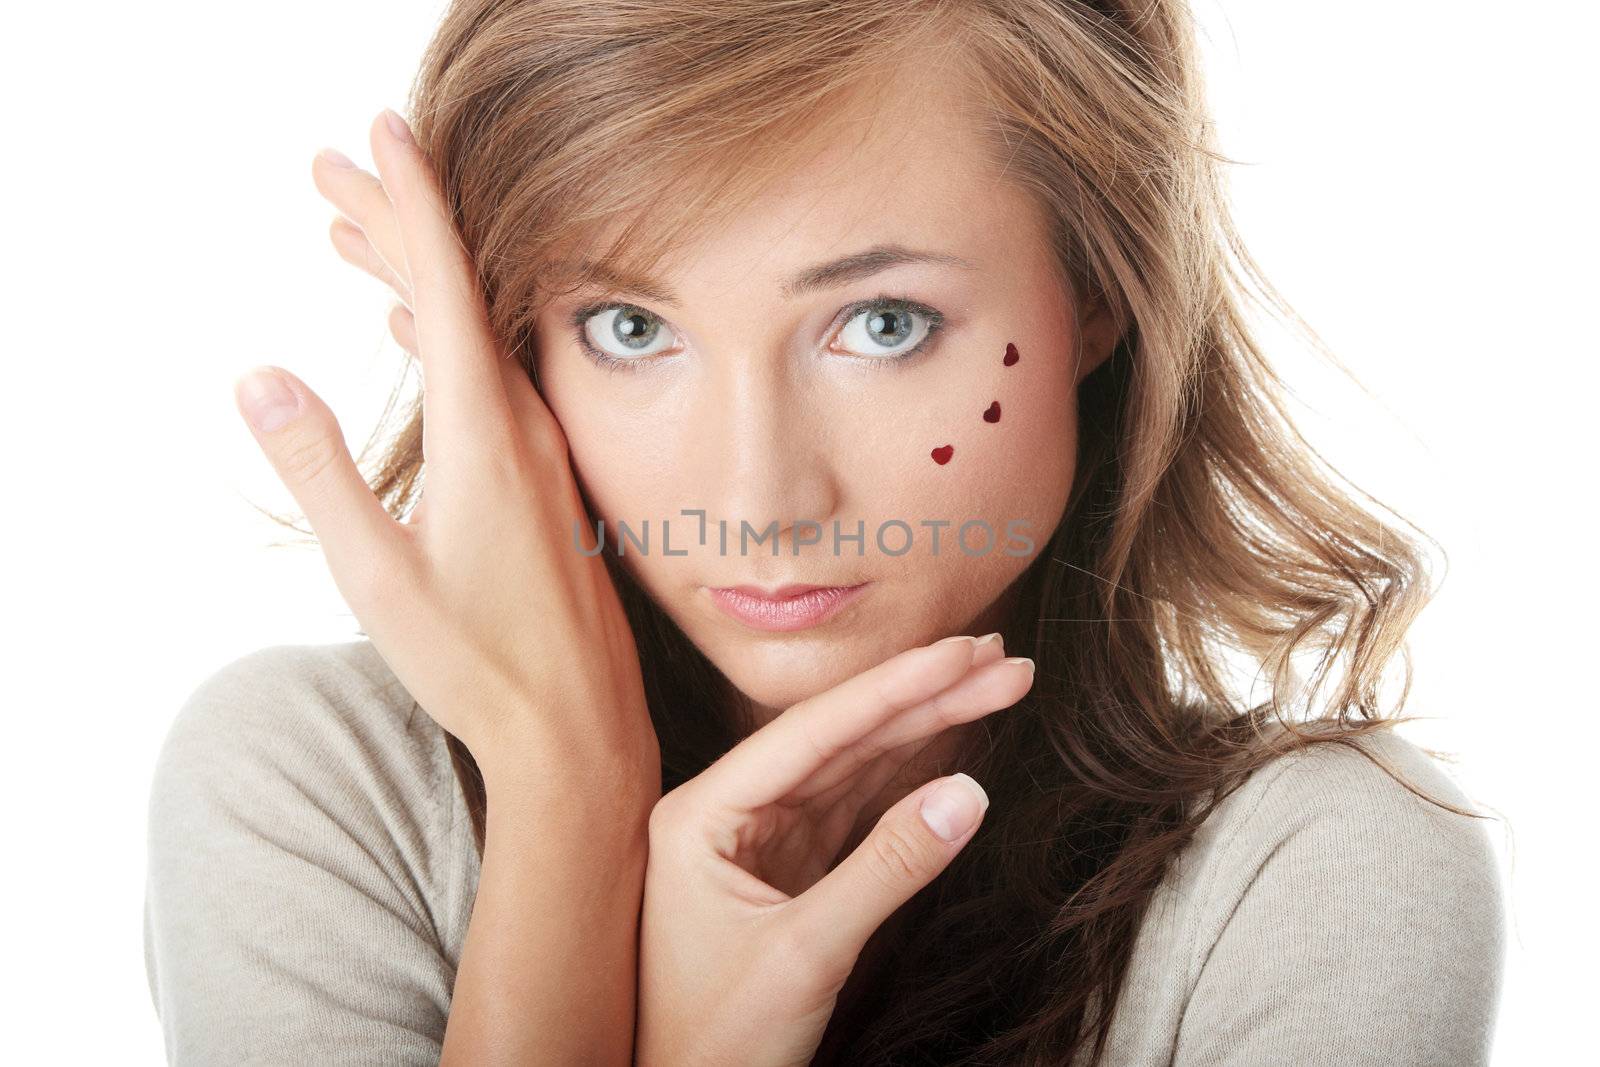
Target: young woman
x=935 y=312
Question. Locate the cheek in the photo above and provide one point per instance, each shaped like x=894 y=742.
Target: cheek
x=1008 y=436
x=628 y=481
x=623 y=468
x=1000 y=413
x=997 y=434
x=624 y=471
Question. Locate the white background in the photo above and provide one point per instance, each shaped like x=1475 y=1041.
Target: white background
x=1416 y=177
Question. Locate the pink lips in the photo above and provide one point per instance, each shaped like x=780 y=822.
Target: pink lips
x=788 y=607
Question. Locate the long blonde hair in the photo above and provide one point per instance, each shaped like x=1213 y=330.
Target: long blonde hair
x=1201 y=525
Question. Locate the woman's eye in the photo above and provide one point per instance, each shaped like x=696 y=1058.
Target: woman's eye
x=883 y=330
x=887 y=328
x=623 y=332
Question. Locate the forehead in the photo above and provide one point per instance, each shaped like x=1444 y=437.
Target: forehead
x=907 y=144
x=901 y=161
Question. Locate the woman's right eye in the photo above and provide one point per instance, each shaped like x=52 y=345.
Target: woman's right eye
x=621 y=333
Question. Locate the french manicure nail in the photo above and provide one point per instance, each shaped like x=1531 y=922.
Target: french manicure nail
x=954 y=807
x=986 y=638
x=397 y=126
x=958 y=637
x=337 y=158
x=1019 y=659
x=266 y=398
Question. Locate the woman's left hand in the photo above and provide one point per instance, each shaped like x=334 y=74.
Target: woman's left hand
x=747 y=936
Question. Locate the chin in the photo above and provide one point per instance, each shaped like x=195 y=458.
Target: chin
x=779 y=671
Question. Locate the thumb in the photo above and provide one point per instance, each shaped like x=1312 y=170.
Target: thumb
x=912 y=843
x=303 y=442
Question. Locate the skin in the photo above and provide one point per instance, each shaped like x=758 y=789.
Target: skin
x=761 y=880
x=761 y=413
x=755 y=407
x=547 y=971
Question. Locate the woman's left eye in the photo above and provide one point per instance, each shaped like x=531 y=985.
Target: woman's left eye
x=888 y=328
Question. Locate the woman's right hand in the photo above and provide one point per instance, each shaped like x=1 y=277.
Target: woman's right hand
x=506 y=634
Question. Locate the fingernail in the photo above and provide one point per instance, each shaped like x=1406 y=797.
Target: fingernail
x=954 y=807
x=397 y=126
x=337 y=158
x=1019 y=659
x=266 y=398
x=984 y=640
x=958 y=637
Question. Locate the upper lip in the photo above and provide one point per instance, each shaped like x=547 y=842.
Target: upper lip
x=781 y=592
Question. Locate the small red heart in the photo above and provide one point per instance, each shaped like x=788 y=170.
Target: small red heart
x=993 y=414
x=1011 y=354
x=942 y=454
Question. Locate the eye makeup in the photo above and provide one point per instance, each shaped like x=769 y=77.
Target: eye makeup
x=605 y=360
x=935 y=321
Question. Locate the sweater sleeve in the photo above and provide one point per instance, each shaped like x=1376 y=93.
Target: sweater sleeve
x=288 y=913
x=1369 y=929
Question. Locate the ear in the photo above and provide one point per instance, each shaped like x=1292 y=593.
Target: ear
x=1098 y=331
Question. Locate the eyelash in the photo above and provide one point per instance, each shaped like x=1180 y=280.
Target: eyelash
x=848 y=313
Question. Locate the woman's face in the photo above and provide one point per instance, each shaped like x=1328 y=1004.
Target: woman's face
x=808 y=364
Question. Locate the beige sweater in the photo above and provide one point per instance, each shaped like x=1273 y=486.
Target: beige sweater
x=311 y=876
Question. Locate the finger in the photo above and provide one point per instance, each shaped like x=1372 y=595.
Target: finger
x=982 y=692
x=838 y=811
x=361 y=199
x=830 y=782
x=303 y=442
x=355 y=248
x=773 y=761
x=914 y=841
x=465 y=405
x=839 y=793
x=403 y=327
x=526 y=403
x=414 y=517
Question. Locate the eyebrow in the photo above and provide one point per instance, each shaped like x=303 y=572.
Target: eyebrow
x=827 y=275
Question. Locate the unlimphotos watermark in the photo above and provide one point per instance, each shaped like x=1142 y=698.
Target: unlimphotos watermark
x=893 y=537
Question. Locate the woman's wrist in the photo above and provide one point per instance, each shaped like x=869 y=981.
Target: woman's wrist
x=551 y=953
x=573 y=781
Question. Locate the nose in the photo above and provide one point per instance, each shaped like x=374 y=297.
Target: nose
x=764 y=452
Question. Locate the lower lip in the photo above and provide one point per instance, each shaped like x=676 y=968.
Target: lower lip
x=790 y=613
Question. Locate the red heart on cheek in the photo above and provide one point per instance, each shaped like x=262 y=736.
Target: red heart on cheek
x=942 y=454
x=993 y=414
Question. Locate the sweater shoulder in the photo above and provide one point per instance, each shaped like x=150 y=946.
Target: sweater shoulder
x=309 y=868
x=1377 y=798
x=302 y=733
x=285 y=691
x=1322 y=873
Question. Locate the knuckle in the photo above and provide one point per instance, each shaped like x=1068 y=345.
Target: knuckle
x=947 y=712
x=309 y=456
x=898 y=857
x=666 y=817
